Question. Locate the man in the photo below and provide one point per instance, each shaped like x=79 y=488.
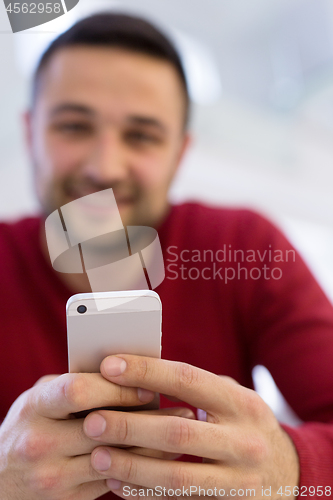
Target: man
x=110 y=109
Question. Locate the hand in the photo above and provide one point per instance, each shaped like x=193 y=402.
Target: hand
x=44 y=453
x=241 y=442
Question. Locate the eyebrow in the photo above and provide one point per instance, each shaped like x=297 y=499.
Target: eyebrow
x=148 y=121
x=88 y=112
x=71 y=107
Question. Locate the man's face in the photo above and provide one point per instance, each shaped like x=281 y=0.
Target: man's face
x=107 y=118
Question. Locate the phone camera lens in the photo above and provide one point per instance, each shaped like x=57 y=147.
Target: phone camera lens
x=81 y=309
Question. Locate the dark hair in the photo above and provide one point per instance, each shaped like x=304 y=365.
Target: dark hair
x=111 y=29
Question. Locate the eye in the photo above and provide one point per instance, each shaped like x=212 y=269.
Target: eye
x=140 y=137
x=73 y=128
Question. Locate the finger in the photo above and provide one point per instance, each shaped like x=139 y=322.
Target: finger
x=78 y=470
x=71 y=478
x=168 y=433
x=148 y=452
x=185 y=382
x=150 y=473
x=68 y=436
x=177 y=412
x=75 y=392
x=65 y=438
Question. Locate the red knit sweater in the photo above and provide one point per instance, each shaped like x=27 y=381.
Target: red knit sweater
x=235 y=295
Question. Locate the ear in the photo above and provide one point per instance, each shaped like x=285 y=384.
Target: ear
x=27 y=129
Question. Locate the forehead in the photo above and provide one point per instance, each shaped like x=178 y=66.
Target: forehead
x=112 y=81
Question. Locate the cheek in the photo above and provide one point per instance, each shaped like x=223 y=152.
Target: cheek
x=58 y=158
x=154 y=169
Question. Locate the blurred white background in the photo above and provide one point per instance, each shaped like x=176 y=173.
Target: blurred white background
x=261 y=77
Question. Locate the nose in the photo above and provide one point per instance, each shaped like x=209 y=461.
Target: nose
x=107 y=162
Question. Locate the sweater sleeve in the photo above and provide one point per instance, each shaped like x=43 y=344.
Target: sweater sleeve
x=288 y=324
x=314 y=445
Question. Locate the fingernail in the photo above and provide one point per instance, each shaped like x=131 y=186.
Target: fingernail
x=114 y=366
x=113 y=484
x=144 y=395
x=94 y=425
x=102 y=460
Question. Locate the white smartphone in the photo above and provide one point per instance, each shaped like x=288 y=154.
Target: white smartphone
x=105 y=323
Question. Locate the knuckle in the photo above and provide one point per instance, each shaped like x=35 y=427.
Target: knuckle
x=75 y=390
x=256 y=450
x=180 y=477
x=186 y=376
x=142 y=369
x=122 y=395
x=94 y=475
x=178 y=433
x=253 y=405
x=44 y=481
x=120 y=429
x=32 y=447
x=129 y=470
